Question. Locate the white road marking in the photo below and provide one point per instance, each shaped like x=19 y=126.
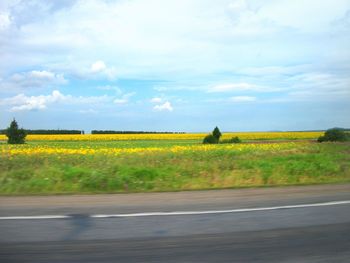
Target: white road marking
x=34 y=217
x=179 y=213
x=240 y=210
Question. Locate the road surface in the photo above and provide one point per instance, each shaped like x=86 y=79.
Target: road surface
x=288 y=224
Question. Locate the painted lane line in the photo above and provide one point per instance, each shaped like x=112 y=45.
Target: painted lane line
x=179 y=213
x=34 y=217
x=240 y=210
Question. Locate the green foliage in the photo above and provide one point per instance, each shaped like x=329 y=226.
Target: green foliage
x=216 y=133
x=213 y=137
x=232 y=140
x=210 y=139
x=334 y=135
x=15 y=135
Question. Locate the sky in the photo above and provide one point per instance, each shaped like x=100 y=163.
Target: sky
x=175 y=65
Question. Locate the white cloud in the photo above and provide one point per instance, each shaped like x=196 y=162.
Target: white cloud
x=142 y=37
x=22 y=102
x=273 y=70
x=124 y=99
x=100 y=68
x=121 y=101
x=156 y=100
x=116 y=89
x=166 y=106
x=160 y=89
x=5 y=20
x=320 y=81
x=33 y=79
x=42 y=74
x=25 y=103
x=317 y=85
x=89 y=111
x=234 y=87
x=88 y=99
x=242 y=99
x=298 y=14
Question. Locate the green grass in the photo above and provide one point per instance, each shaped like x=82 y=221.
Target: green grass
x=311 y=163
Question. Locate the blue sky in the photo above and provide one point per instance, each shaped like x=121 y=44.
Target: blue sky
x=175 y=65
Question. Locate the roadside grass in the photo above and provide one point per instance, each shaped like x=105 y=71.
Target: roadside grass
x=305 y=163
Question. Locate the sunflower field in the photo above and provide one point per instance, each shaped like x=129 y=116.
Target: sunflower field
x=66 y=164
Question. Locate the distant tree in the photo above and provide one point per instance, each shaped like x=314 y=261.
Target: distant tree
x=216 y=133
x=15 y=135
x=334 y=135
x=213 y=137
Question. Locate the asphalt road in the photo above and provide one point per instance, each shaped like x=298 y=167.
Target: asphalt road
x=303 y=234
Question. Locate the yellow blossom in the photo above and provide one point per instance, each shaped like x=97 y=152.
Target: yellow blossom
x=163 y=136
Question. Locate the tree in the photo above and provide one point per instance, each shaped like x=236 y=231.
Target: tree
x=216 y=133
x=213 y=137
x=15 y=135
x=334 y=135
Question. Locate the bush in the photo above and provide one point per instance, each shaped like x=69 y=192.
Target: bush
x=213 y=137
x=232 y=140
x=210 y=139
x=15 y=135
x=334 y=135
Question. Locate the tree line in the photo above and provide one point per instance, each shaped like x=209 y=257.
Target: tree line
x=131 y=132
x=41 y=131
x=17 y=135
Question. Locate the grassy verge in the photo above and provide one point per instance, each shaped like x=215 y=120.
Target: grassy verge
x=303 y=163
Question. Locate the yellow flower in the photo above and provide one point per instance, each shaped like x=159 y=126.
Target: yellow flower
x=185 y=136
x=28 y=149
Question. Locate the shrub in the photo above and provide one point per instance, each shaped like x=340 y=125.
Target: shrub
x=232 y=140
x=210 y=139
x=334 y=135
x=15 y=135
x=213 y=137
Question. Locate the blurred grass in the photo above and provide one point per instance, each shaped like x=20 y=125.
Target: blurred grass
x=306 y=163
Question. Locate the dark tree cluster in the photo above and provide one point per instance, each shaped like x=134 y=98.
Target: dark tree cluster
x=14 y=134
x=214 y=138
x=42 y=131
x=334 y=135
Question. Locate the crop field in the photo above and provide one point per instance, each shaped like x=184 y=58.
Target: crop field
x=58 y=164
x=184 y=136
